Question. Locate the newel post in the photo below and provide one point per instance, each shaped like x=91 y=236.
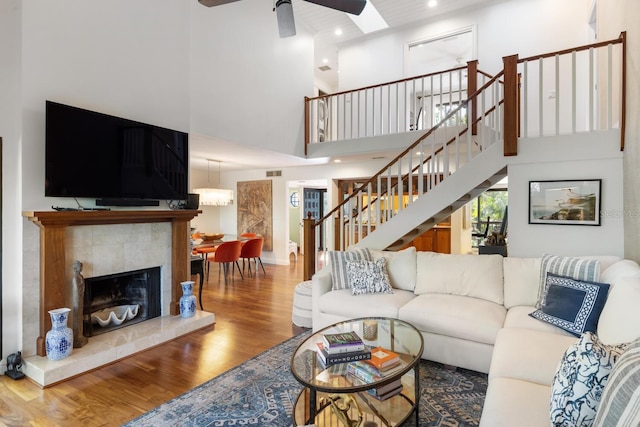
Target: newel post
x=510 y=105
x=306 y=124
x=472 y=87
x=309 y=259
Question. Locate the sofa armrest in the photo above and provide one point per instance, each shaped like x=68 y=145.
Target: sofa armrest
x=320 y=285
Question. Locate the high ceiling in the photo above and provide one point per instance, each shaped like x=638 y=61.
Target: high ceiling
x=322 y=22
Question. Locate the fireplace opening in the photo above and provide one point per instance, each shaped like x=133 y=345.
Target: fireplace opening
x=123 y=299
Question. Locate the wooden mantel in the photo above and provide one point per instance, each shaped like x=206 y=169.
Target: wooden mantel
x=52 y=252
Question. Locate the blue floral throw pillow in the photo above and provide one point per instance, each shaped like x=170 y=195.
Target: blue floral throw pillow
x=369 y=277
x=577 y=386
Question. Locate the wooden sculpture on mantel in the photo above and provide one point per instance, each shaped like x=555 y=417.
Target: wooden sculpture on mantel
x=77 y=285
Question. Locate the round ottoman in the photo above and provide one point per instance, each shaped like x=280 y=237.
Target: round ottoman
x=302 y=305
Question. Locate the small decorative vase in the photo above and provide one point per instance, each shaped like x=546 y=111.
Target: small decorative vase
x=59 y=340
x=187 y=300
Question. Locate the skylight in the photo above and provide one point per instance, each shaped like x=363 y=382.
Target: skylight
x=369 y=20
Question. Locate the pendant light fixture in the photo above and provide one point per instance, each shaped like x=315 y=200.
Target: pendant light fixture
x=214 y=196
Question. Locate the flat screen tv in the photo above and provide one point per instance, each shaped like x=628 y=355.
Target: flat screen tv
x=94 y=155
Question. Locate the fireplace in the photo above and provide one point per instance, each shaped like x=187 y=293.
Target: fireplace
x=118 y=300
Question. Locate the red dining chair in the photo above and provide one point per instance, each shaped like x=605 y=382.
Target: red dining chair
x=252 y=250
x=227 y=253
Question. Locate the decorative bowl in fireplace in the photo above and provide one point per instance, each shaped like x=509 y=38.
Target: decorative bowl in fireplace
x=115 y=315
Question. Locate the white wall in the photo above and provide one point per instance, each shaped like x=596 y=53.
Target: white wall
x=524 y=27
x=615 y=16
x=113 y=57
x=11 y=133
x=248 y=85
x=589 y=156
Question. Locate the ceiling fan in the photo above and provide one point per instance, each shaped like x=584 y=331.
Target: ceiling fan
x=284 y=11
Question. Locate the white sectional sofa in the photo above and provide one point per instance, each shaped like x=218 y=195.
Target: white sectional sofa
x=473 y=312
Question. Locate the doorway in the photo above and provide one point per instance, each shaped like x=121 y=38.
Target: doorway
x=314 y=201
x=434 y=96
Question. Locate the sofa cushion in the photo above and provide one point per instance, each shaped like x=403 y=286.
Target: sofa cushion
x=511 y=402
x=576 y=268
x=620 y=402
x=580 y=379
x=521 y=281
x=465 y=275
x=620 y=319
x=338 y=263
x=401 y=267
x=618 y=270
x=528 y=355
x=343 y=303
x=519 y=317
x=572 y=305
x=455 y=316
x=368 y=277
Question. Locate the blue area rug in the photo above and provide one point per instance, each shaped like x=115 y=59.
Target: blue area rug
x=262 y=392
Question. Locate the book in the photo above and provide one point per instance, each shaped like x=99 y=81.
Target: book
x=342 y=342
x=369 y=373
x=382 y=358
x=385 y=396
x=332 y=359
x=377 y=392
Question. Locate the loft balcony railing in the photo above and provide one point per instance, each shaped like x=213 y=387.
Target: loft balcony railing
x=569 y=91
x=415 y=103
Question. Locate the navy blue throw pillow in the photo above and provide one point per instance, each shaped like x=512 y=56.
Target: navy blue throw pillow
x=572 y=305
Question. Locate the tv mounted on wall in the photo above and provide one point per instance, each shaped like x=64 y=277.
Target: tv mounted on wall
x=118 y=161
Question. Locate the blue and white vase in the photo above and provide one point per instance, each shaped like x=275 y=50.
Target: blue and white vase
x=187 y=300
x=59 y=340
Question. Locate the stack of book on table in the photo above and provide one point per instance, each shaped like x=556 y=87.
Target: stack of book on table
x=364 y=372
x=342 y=348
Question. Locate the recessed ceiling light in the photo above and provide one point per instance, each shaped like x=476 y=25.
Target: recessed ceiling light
x=432 y=3
x=325 y=60
x=337 y=161
x=338 y=32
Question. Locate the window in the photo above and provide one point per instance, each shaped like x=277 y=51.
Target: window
x=490 y=204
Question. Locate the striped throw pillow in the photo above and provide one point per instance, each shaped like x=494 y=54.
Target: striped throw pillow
x=338 y=262
x=620 y=402
x=575 y=268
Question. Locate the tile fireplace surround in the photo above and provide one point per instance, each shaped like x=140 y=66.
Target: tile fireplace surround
x=106 y=242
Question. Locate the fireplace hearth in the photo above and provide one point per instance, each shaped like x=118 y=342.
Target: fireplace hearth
x=132 y=297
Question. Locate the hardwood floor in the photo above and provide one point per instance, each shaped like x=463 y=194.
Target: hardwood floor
x=252 y=315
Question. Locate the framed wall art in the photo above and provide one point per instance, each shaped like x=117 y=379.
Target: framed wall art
x=255 y=210
x=570 y=202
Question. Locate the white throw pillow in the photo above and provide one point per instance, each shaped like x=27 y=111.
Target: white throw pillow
x=478 y=276
x=401 y=267
x=620 y=319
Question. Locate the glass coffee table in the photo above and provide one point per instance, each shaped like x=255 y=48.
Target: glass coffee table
x=332 y=397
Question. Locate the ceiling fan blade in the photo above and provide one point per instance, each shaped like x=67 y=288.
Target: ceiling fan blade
x=211 y=3
x=353 y=7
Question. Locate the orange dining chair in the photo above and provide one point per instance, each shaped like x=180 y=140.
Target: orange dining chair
x=248 y=235
x=252 y=250
x=227 y=253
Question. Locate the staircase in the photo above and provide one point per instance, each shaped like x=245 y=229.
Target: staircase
x=468 y=150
